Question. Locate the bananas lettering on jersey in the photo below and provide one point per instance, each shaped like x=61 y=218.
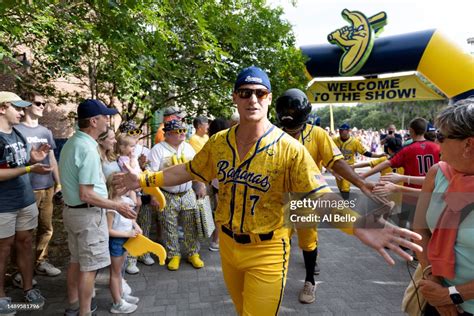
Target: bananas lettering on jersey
x=254 y=180
x=356 y=40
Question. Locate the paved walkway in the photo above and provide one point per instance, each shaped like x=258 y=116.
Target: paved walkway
x=354 y=280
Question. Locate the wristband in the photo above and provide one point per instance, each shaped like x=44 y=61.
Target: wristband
x=151 y=179
x=28 y=169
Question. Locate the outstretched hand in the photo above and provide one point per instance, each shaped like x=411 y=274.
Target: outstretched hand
x=40 y=153
x=124 y=182
x=384 y=234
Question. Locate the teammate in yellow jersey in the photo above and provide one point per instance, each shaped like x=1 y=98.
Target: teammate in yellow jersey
x=349 y=147
x=256 y=164
x=293 y=110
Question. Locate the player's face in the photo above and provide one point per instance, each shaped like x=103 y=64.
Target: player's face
x=344 y=133
x=252 y=102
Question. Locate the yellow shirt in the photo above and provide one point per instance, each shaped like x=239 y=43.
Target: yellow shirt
x=320 y=146
x=349 y=148
x=198 y=142
x=251 y=191
x=387 y=170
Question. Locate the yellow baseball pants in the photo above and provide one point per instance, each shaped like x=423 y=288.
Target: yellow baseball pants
x=255 y=273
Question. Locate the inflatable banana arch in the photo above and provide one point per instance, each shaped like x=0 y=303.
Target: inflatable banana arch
x=429 y=52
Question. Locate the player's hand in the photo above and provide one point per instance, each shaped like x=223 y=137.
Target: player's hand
x=392 y=177
x=40 y=168
x=124 y=182
x=126 y=210
x=40 y=153
x=378 y=234
x=384 y=189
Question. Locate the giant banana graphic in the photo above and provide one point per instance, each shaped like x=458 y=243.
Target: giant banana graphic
x=356 y=40
x=141 y=245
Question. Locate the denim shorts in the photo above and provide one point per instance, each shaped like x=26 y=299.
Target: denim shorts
x=116 y=246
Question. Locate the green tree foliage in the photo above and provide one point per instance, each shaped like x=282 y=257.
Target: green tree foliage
x=378 y=116
x=152 y=53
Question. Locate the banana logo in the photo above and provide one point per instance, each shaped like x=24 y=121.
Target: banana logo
x=174 y=160
x=141 y=245
x=357 y=40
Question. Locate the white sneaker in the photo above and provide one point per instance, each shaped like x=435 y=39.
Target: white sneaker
x=214 y=246
x=130 y=299
x=308 y=293
x=46 y=268
x=146 y=259
x=17 y=281
x=123 y=308
x=127 y=290
x=132 y=266
x=5 y=309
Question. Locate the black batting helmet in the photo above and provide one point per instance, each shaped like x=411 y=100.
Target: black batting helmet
x=292 y=108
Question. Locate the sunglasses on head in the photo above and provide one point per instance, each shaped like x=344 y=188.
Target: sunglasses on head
x=179 y=131
x=245 y=93
x=440 y=137
x=134 y=132
x=37 y=103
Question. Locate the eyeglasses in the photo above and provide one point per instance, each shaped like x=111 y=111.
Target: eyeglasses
x=134 y=132
x=440 y=137
x=247 y=93
x=37 y=103
x=179 y=131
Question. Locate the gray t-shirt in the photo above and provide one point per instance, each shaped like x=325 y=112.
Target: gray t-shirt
x=15 y=193
x=36 y=136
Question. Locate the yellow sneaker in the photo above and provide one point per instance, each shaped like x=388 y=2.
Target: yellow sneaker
x=196 y=261
x=173 y=265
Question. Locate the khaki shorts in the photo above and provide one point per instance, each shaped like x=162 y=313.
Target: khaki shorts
x=88 y=237
x=21 y=220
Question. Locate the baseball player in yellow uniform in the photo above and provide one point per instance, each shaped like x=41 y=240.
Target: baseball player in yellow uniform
x=256 y=163
x=349 y=147
x=293 y=110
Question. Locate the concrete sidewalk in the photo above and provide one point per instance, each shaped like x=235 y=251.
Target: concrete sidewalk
x=354 y=280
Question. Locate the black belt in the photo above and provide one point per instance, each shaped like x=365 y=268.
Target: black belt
x=245 y=238
x=85 y=205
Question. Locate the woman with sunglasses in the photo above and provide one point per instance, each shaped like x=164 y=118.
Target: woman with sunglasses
x=445 y=219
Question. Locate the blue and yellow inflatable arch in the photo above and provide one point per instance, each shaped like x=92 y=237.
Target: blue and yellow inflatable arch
x=429 y=52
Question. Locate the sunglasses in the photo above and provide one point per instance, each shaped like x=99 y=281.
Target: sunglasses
x=134 y=132
x=247 y=93
x=440 y=137
x=37 y=103
x=179 y=131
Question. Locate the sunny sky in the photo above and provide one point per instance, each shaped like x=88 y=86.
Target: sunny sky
x=314 y=19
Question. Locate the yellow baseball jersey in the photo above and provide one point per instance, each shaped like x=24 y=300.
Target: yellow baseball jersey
x=387 y=170
x=251 y=191
x=349 y=148
x=320 y=146
x=197 y=142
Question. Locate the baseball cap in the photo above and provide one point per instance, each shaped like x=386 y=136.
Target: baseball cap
x=252 y=75
x=92 y=107
x=6 y=96
x=173 y=125
x=344 y=126
x=174 y=110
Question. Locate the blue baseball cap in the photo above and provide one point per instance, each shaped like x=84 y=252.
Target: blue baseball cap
x=344 y=126
x=252 y=75
x=92 y=107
